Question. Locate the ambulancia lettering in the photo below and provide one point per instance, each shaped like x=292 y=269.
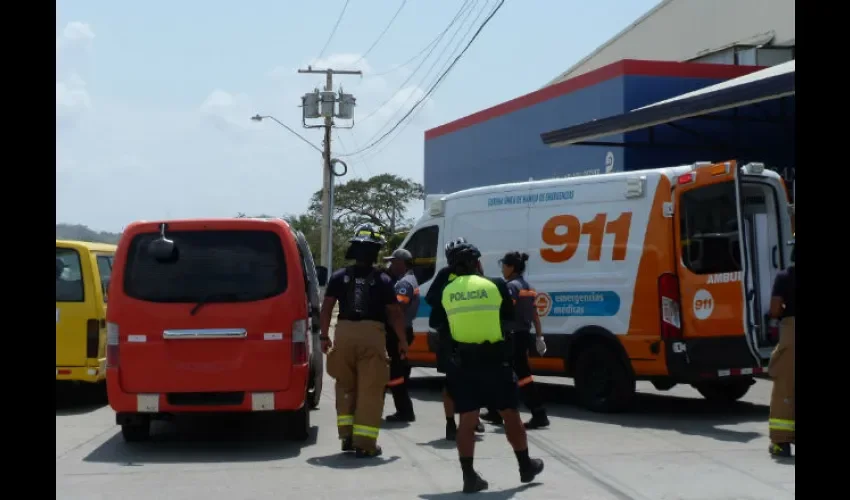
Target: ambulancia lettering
x=724 y=277
x=470 y=295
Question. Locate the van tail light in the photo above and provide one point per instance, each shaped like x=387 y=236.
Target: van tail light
x=112 y=345
x=299 y=342
x=93 y=327
x=668 y=293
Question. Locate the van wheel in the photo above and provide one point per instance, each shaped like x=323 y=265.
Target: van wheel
x=314 y=392
x=603 y=384
x=137 y=431
x=298 y=424
x=725 y=391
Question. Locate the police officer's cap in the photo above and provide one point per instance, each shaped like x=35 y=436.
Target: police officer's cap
x=400 y=254
x=367 y=233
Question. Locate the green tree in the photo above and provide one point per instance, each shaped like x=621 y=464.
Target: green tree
x=381 y=200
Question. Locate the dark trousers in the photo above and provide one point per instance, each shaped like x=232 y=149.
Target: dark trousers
x=522 y=342
x=399 y=375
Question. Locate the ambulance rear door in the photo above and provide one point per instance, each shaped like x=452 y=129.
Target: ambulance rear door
x=712 y=268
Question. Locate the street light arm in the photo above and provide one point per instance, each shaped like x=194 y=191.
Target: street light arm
x=259 y=118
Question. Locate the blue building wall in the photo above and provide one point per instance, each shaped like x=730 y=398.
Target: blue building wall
x=508 y=148
x=762 y=132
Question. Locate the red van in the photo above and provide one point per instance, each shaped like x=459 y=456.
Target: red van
x=213 y=315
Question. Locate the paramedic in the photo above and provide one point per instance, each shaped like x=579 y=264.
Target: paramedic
x=445 y=345
x=407 y=294
x=357 y=358
x=513 y=267
x=781 y=367
x=479 y=372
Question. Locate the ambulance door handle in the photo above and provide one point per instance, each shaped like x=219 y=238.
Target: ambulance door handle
x=774 y=254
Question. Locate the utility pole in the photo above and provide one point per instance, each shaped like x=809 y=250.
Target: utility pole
x=321 y=105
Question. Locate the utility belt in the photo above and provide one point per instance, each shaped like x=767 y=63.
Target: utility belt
x=486 y=355
x=356 y=316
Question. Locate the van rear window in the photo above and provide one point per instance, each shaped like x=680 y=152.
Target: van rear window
x=69 y=276
x=213 y=266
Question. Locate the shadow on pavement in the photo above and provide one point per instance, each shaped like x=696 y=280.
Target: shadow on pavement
x=205 y=439
x=77 y=399
x=349 y=461
x=445 y=444
x=491 y=494
x=694 y=416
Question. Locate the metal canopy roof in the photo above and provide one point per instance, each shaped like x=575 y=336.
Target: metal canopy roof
x=768 y=84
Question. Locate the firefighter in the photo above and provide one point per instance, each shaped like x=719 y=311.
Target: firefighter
x=479 y=373
x=781 y=367
x=522 y=294
x=357 y=356
x=407 y=294
x=437 y=320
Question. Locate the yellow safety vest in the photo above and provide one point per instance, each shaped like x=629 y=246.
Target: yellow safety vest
x=472 y=307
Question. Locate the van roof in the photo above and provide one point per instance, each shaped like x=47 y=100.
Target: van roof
x=564 y=181
x=87 y=245
x=199 y=223
x=670 y=172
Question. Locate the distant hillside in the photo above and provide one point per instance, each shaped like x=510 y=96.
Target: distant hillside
x=80 y=232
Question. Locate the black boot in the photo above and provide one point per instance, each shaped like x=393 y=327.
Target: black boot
x=347 y=444
x=532 y=468
x=403 y=405
x=451 y=430
x=493 y=417
x=780 y=450
x=361 y=453
x=538 y=420
x=473 y=483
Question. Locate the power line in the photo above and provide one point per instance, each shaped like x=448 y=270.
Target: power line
x=400 y=131
x=436 y=62
x=384 y=32
x=333 y=30
x=410 y=77
x=437 y=83
x=405 y=63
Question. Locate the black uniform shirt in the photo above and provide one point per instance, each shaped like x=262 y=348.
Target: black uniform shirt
x=784 y=287
x=381 y=292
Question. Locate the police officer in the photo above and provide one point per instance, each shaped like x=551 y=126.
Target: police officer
x=523 y=295
x=438 y=321
x=480 y=372
x=357 y=357
x=782 y=424
x=407 y=294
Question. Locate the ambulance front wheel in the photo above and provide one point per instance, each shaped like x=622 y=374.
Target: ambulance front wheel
x=725 y=391
x=603 y=383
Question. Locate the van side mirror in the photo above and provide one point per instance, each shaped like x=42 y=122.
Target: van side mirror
x=322 y=275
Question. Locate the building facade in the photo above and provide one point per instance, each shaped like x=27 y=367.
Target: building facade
x=502 y=143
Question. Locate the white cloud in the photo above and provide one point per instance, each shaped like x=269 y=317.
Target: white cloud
x=210 y=159
x=72 y=96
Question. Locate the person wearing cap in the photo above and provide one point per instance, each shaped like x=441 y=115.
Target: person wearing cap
x=781 y=368
x=400 y=266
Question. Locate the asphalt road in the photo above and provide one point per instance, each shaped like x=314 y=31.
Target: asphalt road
x=674 y=445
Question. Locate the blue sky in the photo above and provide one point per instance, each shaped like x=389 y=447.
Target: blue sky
x=154 y=98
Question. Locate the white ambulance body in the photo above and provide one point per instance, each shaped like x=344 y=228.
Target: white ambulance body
x=662 y=275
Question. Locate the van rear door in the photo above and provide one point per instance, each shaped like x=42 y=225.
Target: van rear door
x=711 y=271
x=74 y=308
x=216 y=319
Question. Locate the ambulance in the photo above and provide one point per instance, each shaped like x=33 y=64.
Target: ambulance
x=661 y=275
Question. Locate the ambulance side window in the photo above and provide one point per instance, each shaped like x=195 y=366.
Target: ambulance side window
x=423 y=246
x=709 y=229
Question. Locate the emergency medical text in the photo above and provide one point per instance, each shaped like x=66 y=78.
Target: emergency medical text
x=532 y=198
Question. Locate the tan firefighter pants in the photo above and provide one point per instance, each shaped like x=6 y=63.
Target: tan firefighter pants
x=359 y=363
x=781 y=369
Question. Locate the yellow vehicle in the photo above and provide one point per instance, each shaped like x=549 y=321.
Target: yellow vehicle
x=83 y=270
